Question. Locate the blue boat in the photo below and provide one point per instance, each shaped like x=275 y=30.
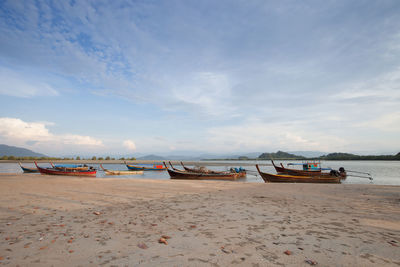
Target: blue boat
x=28 y=170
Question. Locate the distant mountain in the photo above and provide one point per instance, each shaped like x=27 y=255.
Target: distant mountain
x=18 y=152
x=151 y=157
x=308 y=154
x=279 y=155
x=180 y=157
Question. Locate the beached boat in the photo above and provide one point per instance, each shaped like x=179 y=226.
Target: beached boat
x=28 y=170
x=240 y=171
x=181 y=174
x=282 y=178
x=310 y=169
x=155 y=167
x=55 y=171
x=118 y=172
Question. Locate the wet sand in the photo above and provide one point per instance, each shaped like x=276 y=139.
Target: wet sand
x=67 y=221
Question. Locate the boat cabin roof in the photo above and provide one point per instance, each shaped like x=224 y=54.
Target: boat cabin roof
x=310 y=165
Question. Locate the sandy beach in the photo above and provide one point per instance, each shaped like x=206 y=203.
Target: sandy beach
x=67 y=221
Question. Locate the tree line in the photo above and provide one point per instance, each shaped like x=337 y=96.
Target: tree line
x=331 y=156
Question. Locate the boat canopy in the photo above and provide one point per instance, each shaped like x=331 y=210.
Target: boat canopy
x=308 y=166
x=68 y=165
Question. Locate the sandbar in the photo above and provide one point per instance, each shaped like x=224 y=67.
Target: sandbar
x=70 y=221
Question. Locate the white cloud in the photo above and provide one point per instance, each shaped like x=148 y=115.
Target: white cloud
x=18 y=132
x=130 y=145
x=385 y=86
x=16 y=129
x=13 y=83
x=204 y=92
x=81 y=140
x=386 y=123
x=271 y=137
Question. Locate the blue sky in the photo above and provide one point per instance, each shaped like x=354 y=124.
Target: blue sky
x=133 y=77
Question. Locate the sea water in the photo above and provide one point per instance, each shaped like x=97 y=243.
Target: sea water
x=383 y=172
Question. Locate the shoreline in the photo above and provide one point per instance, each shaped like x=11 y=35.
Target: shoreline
x=56 y=220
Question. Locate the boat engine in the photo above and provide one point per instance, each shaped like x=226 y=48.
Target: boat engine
x=334 y=173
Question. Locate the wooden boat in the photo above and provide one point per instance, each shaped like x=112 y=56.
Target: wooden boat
x=310 y=172
x=142 y=168
x=241 y=172
x=28 y=170
x=118 y=172
x=180 y=174
x=55 y=171
x=282 y=178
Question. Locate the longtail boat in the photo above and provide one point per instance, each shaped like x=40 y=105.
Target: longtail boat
x=180 y=174
x=142 y=168
x=240 y=171
x=28 y=170
x=118 y=172
x=56 y=171
x=310 y=172
x=282 y=178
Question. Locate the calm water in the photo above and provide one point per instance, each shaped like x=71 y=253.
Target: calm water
x=383 y=172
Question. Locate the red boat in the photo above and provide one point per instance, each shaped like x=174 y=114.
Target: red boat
x=69 y=172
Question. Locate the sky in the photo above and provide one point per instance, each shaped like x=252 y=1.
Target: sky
x=170 y=77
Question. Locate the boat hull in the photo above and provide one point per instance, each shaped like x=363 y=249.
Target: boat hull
x=110 y=172
x=29 y=170
x=200 y=176
x=140 y=168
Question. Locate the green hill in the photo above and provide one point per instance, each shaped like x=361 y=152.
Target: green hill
x=18 y=152
x=279 y=155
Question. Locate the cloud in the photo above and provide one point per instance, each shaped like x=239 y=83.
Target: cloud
x=208 y=93
x=81 y=140
x=15 y=131
x=271 y=137
x=130 y=145
x=386 y=123
x=18 y=84
x=382 y=87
